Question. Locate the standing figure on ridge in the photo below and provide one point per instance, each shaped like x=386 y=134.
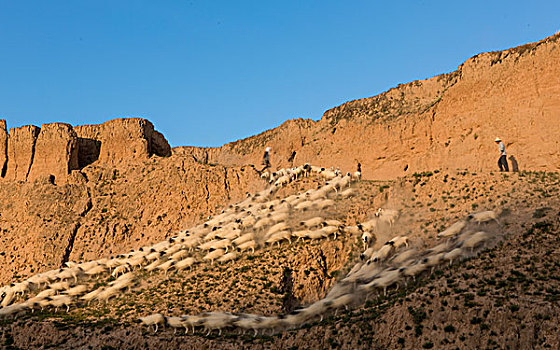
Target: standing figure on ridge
x=502 y=162
x=266 y=159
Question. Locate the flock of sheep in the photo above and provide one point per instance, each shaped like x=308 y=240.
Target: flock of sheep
x=256 y=221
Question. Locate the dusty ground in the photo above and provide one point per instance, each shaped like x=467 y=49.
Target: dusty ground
x=507 y=297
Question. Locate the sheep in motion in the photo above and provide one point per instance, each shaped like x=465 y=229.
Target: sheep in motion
x=368 y=239
x=483 y=216
x=153 y=320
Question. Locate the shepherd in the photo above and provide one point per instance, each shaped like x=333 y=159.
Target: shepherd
x=266 y=159
x=502 y=161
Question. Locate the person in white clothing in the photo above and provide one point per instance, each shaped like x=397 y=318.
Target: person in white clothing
x=502 y=161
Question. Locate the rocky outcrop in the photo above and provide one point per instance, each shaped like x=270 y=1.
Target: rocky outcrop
x=56 y=153
x=21 y=149
x=3 y=148
x=29 y=153
x=120 y=140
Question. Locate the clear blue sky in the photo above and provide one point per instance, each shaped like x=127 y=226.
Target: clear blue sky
x=210 y=72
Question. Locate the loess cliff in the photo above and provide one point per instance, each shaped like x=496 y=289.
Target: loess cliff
x=448 y=121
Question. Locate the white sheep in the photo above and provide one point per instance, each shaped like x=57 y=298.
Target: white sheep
x=23 y=287
x=404 y=256
x=153 y=265
x=413 y=270
x=154 y=319
x=483 y=216
x=192 y=320
x=58 y=286
x=317 y=234
x=282 y=226
x=185 y=263
x=228 y=257
x=440 y=248
x=382 y=254
x=304 y=205
x=119 y=270
x=453 y=230
x=213 y=255
x=323 y=204
x=216 y=320
x=92 y=295
x=262 y=223
x=166 y=266
x=107 y=294
x=370 y=225
x=60 y=300
x=347 y=193
x=247 y=245
x=279 y=216
x=386 y=280
x=244 y=238
x=353 y=230
x=12 y=309
x=77 y=290
x=398 y=241
x=367 y=253
x=313 y=222
x=9 y=296
x=277 y=237
x=175 y=322
x=246 y=321
x=46 y=293
x=318 y=308
x=154 y=256
x=181 y=254
x=301 y=234
x=433 y=260
x=216 y=244
x=233 y=234
x=453 y=254
x=96 y=270
x=329 y=230
x=475 y=240
x=319 y=194
x=368 y=239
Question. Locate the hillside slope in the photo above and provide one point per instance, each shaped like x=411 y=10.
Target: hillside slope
x=506 y=296
x=448 y=121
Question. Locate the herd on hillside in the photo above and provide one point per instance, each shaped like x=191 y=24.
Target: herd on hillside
x=258 y=220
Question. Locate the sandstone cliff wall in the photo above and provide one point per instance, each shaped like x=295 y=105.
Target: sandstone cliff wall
x=109 y=210
x=123 y=140
x=3 y=148
x=56 y=153
x=21 y=148
x=51 y=152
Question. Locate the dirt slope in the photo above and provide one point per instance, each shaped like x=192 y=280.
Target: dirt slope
x=106 y=210
x=506 y=297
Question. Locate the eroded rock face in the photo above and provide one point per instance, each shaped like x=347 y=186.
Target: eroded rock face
x=21 y=149
x=3 y=148
x=446 y=122
x=56 y=153
x=120 y=140
x=29 y=153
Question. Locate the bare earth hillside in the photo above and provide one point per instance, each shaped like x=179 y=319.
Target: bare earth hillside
x=109 y=193
x=448 y=121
